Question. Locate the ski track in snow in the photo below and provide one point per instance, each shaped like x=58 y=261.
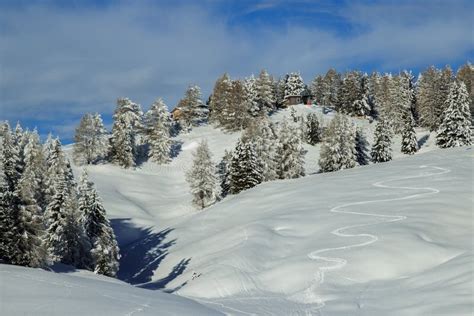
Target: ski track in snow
x=340 y=262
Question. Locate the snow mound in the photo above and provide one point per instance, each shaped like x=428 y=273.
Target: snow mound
x=26 y=291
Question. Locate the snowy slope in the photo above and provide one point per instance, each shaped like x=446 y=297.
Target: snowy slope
x=387 y=239
x=26 y=291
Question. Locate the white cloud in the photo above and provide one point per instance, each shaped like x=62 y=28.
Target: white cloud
x=60 y=62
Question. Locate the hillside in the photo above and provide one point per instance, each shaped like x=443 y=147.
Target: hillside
x=376 y=239
x=27 y=291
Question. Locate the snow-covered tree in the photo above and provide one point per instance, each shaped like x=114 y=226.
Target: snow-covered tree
x=338 y=149
x=30 y=225
x=193 y=111
x=409 y=140
x=90 y=140
x=104 y=251
x=294 y=85
x=350 y=92
x=382 y=145
x=245 y=167
x=289 y=153
x=125 y=130
x=332 y=84
x=262 y=134
x=220 y=98
x=202 y=177
x=466 y=75
x=280 y=91
x=265 y=95
x=251 y=96
x=454 y=129
x=362 y=148
x=318 y=88
x=433 y=88
x=9 y=198
x=158 y=132
x=313 y=130
x=223 y=169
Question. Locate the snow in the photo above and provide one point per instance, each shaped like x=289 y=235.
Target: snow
x=26 y=291
x=387 y=239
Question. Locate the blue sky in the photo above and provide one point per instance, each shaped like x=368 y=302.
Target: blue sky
x=60 y=59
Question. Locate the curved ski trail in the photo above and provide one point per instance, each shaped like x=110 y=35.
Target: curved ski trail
x=340 y=262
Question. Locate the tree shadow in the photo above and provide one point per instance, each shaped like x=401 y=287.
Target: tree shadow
x=175 y=148
x=162 y=283
x=423 y=140
x=141 y=257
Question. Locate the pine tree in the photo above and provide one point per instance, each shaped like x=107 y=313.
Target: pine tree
x=350 y=92
x=338 y=149
x=158 y=135
x=317 y=89
x=466 y=75
x=280 y=91
x=194 y=112
x=313 y=129
x=30 y=225
x=251 y=96
x=262 y=134
x=409 y=140
x=332 y=84
x=223 y=169
x=289 y=153
x=56 y=219
x=202 y=177
x=294 y=85
x=125 y=133
x=362 y=148
x=220 y=98
x=104 y=250
x=265 y=95
x=382 y=146
x=454 y=129
x=245 y=167
x=9 y=199
x=90 y=140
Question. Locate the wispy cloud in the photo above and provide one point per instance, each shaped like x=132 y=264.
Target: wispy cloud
x=57 y=62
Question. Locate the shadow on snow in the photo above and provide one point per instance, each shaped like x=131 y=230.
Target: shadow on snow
x=141 y=257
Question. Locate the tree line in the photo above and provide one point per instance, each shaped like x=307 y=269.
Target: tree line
x=45 y=216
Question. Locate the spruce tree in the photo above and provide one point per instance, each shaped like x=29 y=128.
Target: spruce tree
x=125 y=133
x=338 y=149
x=9 y=199
x=313 y=130
x=317 y=89
x=158 y=132
x=104 y=252
x=245 y=167
x=362 y=148
x=294 y=85
x=193 y=110
x=332 y=84
x=454 y=129
x=90 y=140
x=251 y=96
x=262 y=134
x=30 y=225
x=409 y=140
x=220 y=98
x=466 y=75
x=56 y=220
x=202 y=177
x=223 y=169
x=289 y=153
x=265 y=95
x=382 y=146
